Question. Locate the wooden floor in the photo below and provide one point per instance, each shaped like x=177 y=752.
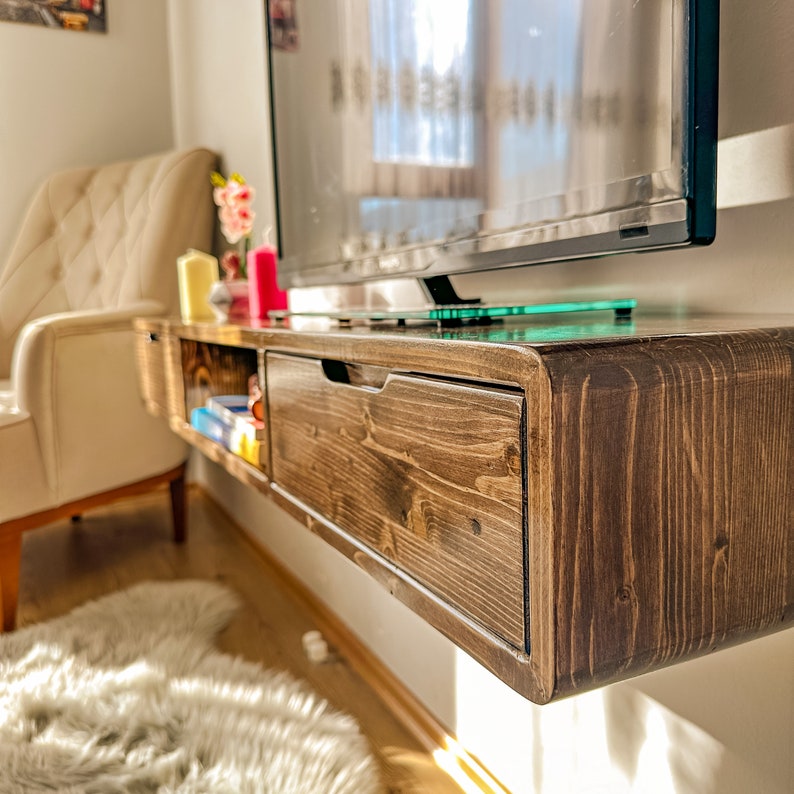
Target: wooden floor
x=66 y=564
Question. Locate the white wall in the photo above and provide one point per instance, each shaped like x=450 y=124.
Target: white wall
x=73 y=99
x=219 y=68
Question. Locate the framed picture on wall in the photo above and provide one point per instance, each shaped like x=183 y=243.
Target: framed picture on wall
x=283 y=24
x=83 y=15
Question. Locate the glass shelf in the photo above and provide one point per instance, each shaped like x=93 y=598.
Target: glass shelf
x=468 y=312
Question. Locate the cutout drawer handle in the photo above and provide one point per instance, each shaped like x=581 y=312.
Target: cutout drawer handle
x=362 y=376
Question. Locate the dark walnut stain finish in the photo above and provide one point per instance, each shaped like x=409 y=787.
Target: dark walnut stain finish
x=674 y=464
x=572 y=505
x=426 y=473
x=211 y=369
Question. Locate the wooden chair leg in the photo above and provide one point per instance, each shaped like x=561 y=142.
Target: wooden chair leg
x=179 y=507
x=10 y=555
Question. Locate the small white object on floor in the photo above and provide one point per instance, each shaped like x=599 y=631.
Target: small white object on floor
x=315 y=647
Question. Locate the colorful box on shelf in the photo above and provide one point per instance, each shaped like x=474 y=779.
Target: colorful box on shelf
x=228 y=421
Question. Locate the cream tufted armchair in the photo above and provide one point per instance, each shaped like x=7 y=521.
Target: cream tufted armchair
x=97 y=248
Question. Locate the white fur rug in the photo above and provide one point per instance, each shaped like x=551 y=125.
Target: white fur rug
x=126 y=694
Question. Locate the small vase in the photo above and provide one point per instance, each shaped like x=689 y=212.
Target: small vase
x=229 y=300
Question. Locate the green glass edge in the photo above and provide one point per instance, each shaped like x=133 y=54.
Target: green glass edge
x=466 y=312
x=463 y=311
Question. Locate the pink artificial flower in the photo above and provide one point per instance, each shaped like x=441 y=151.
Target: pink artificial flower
x=233 y=231
x=238 y=194
x=219 y=195
x=234 y=197
x=244 y=214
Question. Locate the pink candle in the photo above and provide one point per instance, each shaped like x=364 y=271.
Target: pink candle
x=264 y=293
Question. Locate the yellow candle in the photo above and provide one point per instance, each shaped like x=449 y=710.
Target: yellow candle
x=196 y=271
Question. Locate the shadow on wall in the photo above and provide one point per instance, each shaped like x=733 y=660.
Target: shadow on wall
x=652 y=745
x=721 y=724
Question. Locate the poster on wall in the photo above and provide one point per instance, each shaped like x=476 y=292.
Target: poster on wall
x=85 y=15
x=283 y=24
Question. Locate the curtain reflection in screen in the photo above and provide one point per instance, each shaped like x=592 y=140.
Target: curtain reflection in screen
x=422 y=54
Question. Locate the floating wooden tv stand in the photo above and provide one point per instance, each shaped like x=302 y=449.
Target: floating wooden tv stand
x=572 y=503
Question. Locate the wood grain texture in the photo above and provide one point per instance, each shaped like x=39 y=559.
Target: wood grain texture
x=656 y=511
x=426 y=473
x=673 y=462
x=210 y=369
x=174 y=377
x=152 y=371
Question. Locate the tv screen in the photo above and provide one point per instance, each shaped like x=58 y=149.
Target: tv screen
x=433 y=137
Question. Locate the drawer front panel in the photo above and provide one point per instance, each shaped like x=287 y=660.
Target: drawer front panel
x=426 y=473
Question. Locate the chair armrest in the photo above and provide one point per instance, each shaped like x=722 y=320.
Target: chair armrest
x=34 y=349
x=76 y=375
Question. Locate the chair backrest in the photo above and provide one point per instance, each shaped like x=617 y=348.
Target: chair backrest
x=106 y=237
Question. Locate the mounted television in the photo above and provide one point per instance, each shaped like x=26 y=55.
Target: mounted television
x=427 y=138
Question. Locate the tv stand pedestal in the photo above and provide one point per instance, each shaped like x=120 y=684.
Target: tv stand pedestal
x=573 y=503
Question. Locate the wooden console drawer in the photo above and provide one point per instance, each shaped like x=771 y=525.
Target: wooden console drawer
x=426 y=473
